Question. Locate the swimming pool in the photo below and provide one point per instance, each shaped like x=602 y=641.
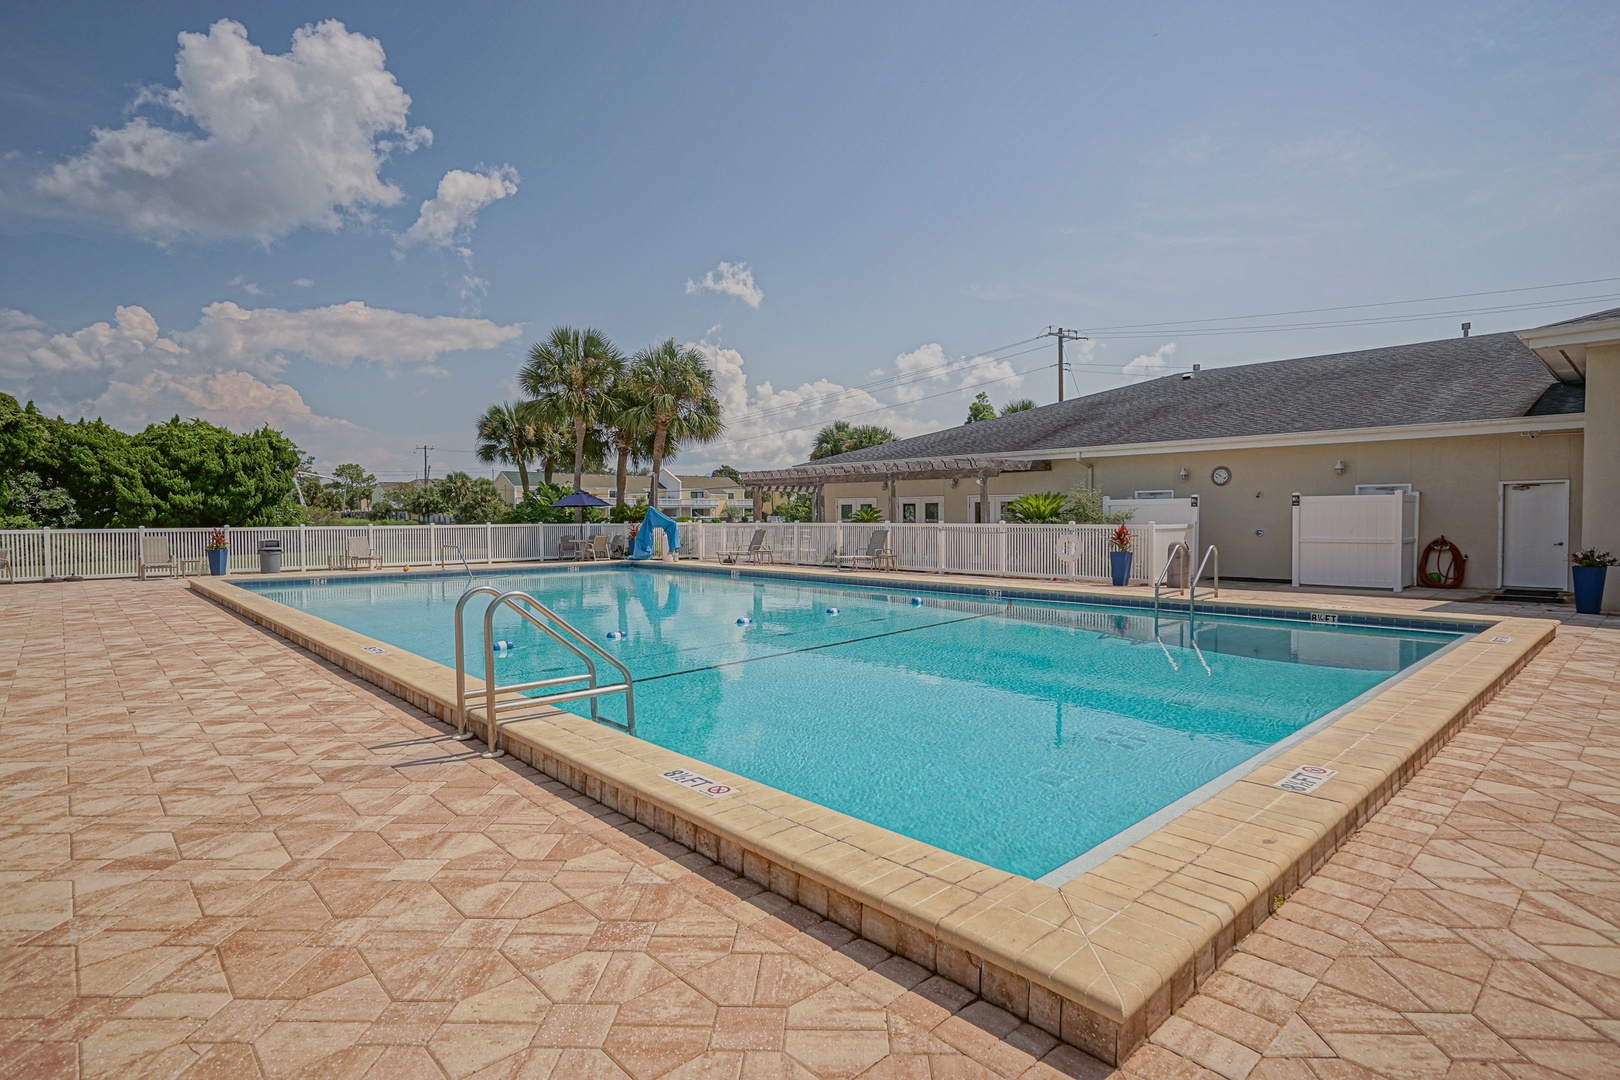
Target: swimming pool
x=1019 y=733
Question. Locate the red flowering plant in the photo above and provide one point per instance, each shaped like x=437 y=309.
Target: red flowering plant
x=1120 y=539
x=217 y=541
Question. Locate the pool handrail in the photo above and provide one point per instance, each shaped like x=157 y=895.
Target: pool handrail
x=1192 y=586
x=1179 y=548
x=558 y=630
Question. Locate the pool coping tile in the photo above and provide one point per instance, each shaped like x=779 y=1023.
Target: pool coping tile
x=1122 y=945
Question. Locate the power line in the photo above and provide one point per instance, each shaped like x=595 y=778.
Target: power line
x=1357 y=307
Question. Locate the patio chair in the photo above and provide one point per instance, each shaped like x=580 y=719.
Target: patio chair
x=877 y=556
x=5 y=567
x=158 y=556
x=572 y=547
x=756 y=551
x=360 y=556
x=598 y=548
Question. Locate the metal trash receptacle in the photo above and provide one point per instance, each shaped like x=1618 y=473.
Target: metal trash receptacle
x=269 y=556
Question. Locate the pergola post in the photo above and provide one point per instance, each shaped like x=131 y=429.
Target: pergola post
x=818 y=504
x=984 y=497
x=894 y=498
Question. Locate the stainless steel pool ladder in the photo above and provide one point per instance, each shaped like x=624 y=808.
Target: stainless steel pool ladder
x=1192 y=586
x=497 y=699
x=1180 y=550
x=459 y=554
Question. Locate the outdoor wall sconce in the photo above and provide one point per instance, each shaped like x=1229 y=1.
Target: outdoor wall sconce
x=1338 y=467
x=1184 y=473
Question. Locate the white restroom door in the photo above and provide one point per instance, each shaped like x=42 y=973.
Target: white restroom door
x=1535 y=534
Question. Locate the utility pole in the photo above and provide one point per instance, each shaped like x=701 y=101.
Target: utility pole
x=425 y=450
x=1062 y=335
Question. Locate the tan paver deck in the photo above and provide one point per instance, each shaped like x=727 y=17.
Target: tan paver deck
x=219 y=854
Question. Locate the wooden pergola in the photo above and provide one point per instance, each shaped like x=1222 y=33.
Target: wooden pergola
x=814 y=478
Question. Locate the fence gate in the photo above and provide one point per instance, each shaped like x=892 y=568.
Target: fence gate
x=1356 y=541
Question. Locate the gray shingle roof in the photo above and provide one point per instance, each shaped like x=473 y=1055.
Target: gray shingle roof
x=1489 y=377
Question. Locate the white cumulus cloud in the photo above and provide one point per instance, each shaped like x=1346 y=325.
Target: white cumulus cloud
x=451 y=214
x=226 y=368
x=279 y=141
x=729 y=279
x=1151 y=365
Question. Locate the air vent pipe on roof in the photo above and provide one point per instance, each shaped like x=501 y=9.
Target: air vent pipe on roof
x=1467 y=326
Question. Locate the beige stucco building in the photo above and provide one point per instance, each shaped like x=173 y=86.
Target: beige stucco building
x=1512 y=442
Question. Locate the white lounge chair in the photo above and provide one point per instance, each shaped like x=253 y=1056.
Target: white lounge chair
x=5 y=567
x=360 y=556
x=158 y=556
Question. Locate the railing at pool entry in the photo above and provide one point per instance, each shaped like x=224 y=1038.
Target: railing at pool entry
x=1049 y=552
x=514 y=697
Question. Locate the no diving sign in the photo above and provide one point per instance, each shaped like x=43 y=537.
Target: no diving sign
x=700 y=784
x=1307 y=778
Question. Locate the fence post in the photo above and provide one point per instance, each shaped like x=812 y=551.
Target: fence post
x=1001 y=547
x=434 y=554
x=49 y=570
x=940 y=529
x=227 y=530
x=1294 y=501
x=140 y=553
x=1398 y=500
x=489 y=543
x=303 y=547
x=1153 y=552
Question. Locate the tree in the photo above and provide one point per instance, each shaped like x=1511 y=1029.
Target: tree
x=672 y=388
x=351 y=485
x=471 y=501
x=1017 y=405
x=626 y=433
x=1085 y=507
x=200 y=474
x=535 y=507
x=516 y=436
x=840 y=437
x=980 y=409
x=1040 y=508
x=730 y=472
x=570 y=376
x=799 y=507
x=27 y=502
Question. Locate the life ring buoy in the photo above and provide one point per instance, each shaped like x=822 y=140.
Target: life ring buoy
x=1068 y=550
x=1449 y=565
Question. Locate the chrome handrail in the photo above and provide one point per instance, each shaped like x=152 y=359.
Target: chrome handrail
x=1169 y=561
x=558 y=630
x=1192 y=586
x=457 y=547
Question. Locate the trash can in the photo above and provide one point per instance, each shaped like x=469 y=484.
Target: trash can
x=269 y=556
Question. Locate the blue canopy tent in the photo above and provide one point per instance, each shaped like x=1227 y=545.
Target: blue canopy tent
x=650 y=524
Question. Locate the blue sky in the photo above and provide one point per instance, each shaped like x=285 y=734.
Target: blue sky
x=869 y=192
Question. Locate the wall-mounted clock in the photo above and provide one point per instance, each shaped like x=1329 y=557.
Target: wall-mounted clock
x=1221 y=475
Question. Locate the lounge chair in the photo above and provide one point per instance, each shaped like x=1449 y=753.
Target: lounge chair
x=5 y=567
x=756 y=551
x=157 y=555
x=360 y=556
x=877 y=556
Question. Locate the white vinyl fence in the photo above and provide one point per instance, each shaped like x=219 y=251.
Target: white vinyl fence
x=1359 y=541
x=110 y=553
x=1067 y=552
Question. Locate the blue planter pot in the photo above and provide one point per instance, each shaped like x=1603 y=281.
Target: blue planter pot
x=219 y=562
x=1119 y=562
x=1589 y=588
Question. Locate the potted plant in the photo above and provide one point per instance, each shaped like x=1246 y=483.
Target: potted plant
x=1590 y=571
x=219 y=553
x=1119 y=559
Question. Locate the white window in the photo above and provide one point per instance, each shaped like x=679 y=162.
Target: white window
x=1383 y=489
x=1161 y=493
x=847 y=507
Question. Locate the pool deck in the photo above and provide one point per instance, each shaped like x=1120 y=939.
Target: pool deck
x=223 y=853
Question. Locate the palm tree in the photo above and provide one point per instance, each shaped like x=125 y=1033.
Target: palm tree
x=569 y=376
x=1017 y=405
x=671 y=388
x=840 y=437
x=505 y=434
x=624 y=431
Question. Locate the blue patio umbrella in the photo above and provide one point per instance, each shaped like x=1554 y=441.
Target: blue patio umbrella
x=578 y=500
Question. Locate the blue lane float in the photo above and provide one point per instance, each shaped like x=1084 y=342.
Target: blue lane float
x=832 y=611
x=616 y=635
x=745 y=621
x=505 y=646
x=916 y=601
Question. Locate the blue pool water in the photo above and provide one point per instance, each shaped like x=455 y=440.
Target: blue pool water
x=1018 y=733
